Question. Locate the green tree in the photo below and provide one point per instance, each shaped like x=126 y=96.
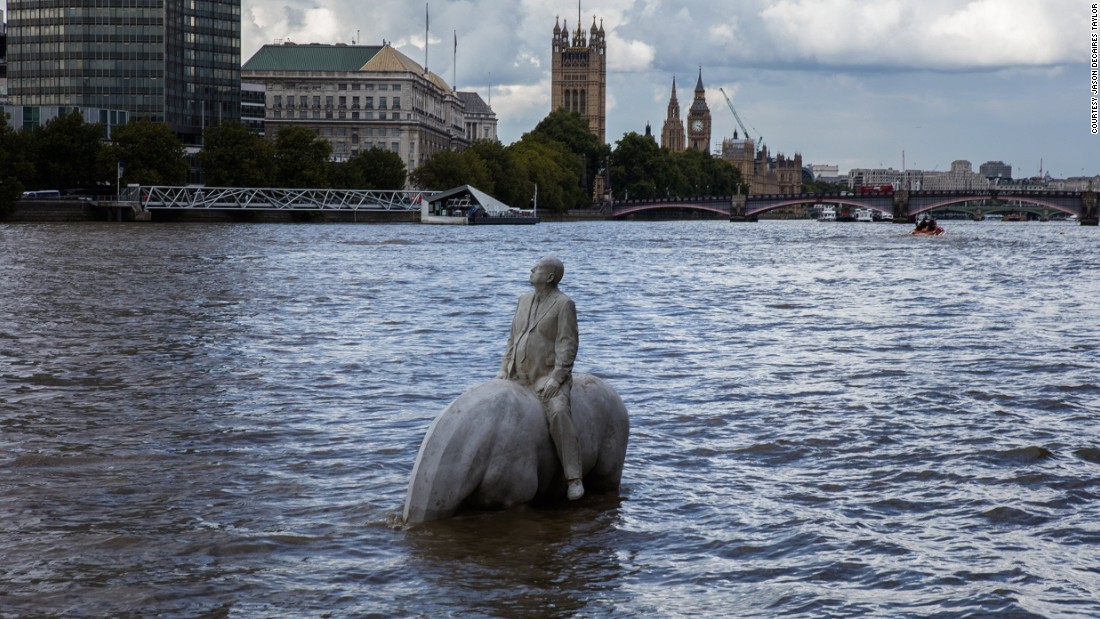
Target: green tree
x=507 y=184
x=234 y=156
x=65 y=152
x=642 y=170
x=693 y=179
x=570 y=129
x=301 y=158
x=702 y=174
x=370 y=169
x=447 y=169
x=149 y=152
x=553 y=168
x=13 y=166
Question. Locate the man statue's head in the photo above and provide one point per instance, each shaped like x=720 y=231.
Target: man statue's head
x=547 y=272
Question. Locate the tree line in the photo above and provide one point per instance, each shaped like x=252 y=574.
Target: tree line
x=560 y=157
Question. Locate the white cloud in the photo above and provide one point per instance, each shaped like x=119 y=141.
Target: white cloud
x=812 y=75
x=926 y=34
x=628 y=55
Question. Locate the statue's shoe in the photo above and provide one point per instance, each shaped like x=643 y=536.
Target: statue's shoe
x=576 y=489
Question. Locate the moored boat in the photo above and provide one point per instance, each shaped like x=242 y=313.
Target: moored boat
x=468 y=205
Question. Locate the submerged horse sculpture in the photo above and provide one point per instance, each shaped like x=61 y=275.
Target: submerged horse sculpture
x=491 y=449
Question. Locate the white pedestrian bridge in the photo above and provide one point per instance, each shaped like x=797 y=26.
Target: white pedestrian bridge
x=160 y=197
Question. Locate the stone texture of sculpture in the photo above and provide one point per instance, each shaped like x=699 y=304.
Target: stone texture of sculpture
x=491 y=449
x=537 y=432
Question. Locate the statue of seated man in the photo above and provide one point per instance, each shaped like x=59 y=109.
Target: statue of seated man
x=540 y=352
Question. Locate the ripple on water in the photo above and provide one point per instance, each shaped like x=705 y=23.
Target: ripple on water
x=827 y=420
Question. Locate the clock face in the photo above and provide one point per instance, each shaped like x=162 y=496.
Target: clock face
x=697 y=125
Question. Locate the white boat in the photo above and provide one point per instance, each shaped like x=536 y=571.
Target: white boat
x=468 y=205
x=865 y=214
x=828 y=212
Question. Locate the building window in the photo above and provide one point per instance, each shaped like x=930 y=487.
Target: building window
x=397 y=103
x=395 y=147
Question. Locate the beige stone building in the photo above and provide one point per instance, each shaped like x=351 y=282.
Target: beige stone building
x=698 y=119
x=578 y=70
x=697 y=137
x=763 y=174
x=672 y=134
x=360 y=97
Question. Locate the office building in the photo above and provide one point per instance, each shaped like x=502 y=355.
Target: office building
x=996 y=169
x=481 y=121
x=359 y=97
x=171 y=62
x=254 y=107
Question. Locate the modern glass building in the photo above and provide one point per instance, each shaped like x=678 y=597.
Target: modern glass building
x=172 y=61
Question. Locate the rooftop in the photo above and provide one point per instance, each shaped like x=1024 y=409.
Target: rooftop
x=316 y=57
x=312 y=57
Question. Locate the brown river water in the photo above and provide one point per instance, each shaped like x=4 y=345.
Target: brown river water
x=827 y=420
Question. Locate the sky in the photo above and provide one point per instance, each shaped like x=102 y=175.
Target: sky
x=853 y=83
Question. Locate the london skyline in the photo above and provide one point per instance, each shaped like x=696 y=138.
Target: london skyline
x=845 y=82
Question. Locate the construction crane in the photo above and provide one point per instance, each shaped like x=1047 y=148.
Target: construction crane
x=738 y=117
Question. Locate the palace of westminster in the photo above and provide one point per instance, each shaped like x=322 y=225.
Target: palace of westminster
x=579 y=84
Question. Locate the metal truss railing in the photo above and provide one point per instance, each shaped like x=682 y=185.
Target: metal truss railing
x=252 y=198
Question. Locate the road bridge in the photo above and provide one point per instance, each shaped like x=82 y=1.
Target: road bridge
x=716 y=206
x=907 y=206
x=904 y=206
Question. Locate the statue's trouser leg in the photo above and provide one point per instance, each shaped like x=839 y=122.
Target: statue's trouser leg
x=564 y=434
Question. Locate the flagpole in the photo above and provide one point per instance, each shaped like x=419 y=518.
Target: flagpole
x=425 y=38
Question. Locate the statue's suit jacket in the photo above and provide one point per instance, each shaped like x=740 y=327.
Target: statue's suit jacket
x=548 y=339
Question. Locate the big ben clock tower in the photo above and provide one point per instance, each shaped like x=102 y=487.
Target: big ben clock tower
x=698 y=133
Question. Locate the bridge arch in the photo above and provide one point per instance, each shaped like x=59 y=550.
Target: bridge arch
x=715 y=206
x=853 y=201
x=948 y=201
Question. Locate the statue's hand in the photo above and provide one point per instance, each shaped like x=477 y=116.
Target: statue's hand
x=548 y=389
